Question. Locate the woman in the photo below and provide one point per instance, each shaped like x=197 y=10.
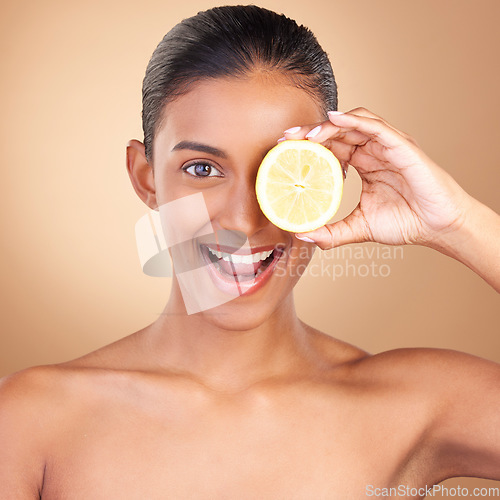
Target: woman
x=241 y=399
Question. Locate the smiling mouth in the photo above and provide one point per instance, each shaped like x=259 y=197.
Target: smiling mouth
x=244 y=270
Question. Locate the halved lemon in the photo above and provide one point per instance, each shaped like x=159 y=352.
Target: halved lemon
x=299 y=185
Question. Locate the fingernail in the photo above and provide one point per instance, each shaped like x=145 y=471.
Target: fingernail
x=333 y=113
x=304 y=238
x=292 y=130
x=281 y=139
x=314 y=132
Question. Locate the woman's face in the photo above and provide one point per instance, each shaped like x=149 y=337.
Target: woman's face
x=209 y=148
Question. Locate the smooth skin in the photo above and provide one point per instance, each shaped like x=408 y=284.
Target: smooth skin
x=246 y=401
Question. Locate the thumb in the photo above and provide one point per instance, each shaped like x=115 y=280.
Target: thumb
x=352 y=229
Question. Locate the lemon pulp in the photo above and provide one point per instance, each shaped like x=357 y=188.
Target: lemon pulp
x=299 y=185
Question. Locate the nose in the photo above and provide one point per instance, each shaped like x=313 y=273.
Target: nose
x=241 y=210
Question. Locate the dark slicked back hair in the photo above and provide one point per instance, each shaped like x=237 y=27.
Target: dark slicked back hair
x=233 y=41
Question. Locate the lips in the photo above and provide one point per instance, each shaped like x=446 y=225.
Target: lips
x=232 y=270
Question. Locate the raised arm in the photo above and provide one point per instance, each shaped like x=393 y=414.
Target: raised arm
x=476 y=243
x=406 y=198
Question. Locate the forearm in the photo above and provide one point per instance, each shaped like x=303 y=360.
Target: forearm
x=477 y=243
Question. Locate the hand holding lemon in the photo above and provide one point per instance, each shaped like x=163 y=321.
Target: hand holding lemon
x=406 y=198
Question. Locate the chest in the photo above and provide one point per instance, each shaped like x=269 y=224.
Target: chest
x=294 y=450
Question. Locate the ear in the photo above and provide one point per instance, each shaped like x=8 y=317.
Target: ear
x=141 y=173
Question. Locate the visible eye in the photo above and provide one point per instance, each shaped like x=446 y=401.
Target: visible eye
x=202 y=169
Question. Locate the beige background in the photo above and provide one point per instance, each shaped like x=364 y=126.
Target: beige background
x=71 y=98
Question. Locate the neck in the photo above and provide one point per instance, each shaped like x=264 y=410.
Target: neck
x=230 y=359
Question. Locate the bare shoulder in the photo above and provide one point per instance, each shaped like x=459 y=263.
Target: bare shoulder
x=62 y=392
x=439 y=385
x=442 y=404
x=43 y=405
x=427 y=373
x=454 y=392
x=39 y=386
x=30 y=404
x=30 y=396
x=29 y=390
x=50 y=384
x=436 y=369
x=62 y=389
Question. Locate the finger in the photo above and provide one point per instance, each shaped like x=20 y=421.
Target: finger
x=341 y=142
x=343 y=152
x=311 y=130
x=321 y=132
x=375 y=129
x=327 y=130
x=369 y=114
x=352 y=229
x=298 y=133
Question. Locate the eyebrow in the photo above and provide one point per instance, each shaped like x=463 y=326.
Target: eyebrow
x=198 y=146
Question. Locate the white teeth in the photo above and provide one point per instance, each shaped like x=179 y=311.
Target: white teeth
x=239 y=258
x=265 y=255
x=215 y=252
